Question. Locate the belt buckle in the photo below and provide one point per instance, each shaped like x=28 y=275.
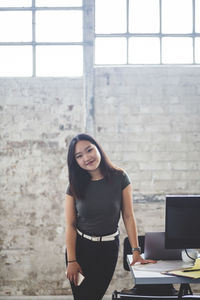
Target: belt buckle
x=96 y=238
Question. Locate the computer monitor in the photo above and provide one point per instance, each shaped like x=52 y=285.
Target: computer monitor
x=182 y=222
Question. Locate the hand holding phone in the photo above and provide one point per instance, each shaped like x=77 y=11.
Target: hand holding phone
x=80 y=278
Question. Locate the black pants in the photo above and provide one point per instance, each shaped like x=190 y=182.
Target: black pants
x=98 y=261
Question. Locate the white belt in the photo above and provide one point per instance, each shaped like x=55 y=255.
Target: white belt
x=104 y=238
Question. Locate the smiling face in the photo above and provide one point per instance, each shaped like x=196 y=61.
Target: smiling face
x=87 y=156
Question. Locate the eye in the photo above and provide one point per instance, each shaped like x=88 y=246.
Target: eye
x=90 y=149
x=78 y=156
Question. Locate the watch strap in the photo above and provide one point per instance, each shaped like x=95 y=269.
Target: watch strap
x=136 y=249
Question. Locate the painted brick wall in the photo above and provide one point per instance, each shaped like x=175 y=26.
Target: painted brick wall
x=151 y=128
x=38 y=119
x=146 y=118
x=151 y=125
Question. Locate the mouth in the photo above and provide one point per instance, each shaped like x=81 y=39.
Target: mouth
x=90 y=162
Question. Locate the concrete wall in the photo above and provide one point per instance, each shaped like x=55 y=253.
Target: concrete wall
x=146 y=118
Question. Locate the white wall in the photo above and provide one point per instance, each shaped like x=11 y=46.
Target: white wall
x=146 y=118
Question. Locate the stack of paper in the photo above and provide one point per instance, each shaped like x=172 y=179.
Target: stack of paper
x=193 y=272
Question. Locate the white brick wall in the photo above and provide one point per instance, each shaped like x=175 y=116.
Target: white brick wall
x=38 y=119
x=147 y=119
x=154 y=115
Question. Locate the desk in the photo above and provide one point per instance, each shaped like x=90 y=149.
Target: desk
x=151 y=273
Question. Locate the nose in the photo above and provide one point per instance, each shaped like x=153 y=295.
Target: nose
x=86 y=157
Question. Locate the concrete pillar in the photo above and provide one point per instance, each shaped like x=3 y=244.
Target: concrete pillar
x=88 y=55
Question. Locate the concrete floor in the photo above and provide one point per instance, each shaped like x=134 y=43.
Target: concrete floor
x=44 y=297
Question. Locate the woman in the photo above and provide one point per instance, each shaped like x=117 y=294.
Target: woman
x=97 y=193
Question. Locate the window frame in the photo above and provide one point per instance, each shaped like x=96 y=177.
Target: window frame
x=159 y=35
x=89 y=36
x=34 y=43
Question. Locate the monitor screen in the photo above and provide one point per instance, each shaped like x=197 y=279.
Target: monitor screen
x=182 y=222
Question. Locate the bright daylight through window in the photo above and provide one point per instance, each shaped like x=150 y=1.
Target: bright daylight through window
x=44 y=40
x=45 y=37
x=147 y=32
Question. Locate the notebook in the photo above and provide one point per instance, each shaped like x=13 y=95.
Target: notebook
x=154 y=247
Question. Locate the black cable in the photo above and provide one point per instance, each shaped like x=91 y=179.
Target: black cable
x=189 y=255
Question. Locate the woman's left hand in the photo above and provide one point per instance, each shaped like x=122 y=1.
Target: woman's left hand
x=138 y=259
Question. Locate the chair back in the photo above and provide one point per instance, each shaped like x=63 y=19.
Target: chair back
x=128 y=250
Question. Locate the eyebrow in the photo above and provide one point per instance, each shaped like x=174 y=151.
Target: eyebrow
x=84 y=150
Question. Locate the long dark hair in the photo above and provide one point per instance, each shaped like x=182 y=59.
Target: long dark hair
x=80 y=178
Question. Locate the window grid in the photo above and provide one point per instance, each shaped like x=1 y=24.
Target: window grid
x=159 y=35
x=34 y=43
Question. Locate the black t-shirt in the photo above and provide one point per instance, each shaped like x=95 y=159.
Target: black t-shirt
x=99 y=212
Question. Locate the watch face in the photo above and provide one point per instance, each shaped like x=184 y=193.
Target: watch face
x=137 y=249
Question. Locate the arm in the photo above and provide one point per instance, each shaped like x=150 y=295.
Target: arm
x=73 y=267
x=130 y=224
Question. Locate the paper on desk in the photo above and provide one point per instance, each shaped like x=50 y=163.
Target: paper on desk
x=194 y=274
x=197 y=264
x=161 y=266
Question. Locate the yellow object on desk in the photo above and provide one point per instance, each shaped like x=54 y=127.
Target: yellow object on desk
x=193 y=272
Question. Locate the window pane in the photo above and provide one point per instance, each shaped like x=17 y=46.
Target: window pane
x=197 y=16
x=177 y=50
x=17 y=26
x=16 y=61
x=59 y=26
x=59 y=61
x=144 y=16
x=197 y=50
x=14 y=3
x=110 y=50
x=54 y=3
x=110 y=16
x=144 y=50
x=177 y=16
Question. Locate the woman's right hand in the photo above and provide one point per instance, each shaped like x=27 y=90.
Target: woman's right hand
x=73 y=269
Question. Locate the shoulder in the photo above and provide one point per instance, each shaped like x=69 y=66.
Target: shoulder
x=68 y=191
x=121 y=176
x=119 y=172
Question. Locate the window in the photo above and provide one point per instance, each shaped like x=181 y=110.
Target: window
x=42 y=38
x=148 y=31
x=105 y=53
x=48 y=37
x=144 y=16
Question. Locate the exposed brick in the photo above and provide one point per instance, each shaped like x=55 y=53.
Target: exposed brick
x=147 y=120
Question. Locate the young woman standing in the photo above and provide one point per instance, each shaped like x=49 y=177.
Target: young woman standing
x=97 y=193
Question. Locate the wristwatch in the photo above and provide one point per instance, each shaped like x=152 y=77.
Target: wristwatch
x=136 y=249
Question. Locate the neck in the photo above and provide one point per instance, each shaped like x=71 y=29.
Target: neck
x=96 y=175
